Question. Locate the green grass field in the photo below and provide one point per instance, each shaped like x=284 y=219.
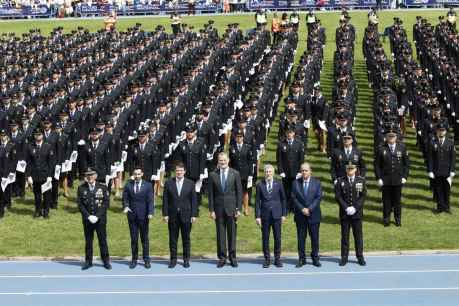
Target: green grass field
x=62 y=235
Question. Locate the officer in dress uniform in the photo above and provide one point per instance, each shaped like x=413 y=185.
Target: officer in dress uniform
x=290 y=156
x=8 y=162
x=341 y=157
x=40 y=159
x=350 y=193
x=441 y=165
x=93 y=201
x=392 y=166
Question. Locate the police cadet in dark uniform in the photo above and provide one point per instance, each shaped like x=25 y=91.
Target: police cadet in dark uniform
x=350 y=193
x=93 y=201
x=142 y=155
x=17 y=137
x=290 y=156
x=40 y=159
x=243 y=159
x=441 y=165
x=391 y=170
x=97 y=156
x=341 y=157
x=192 y=153
x=7 y=165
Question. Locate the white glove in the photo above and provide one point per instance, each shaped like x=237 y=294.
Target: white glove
x=452 y=174
x=81 y=142
x=126 y=210
x=450 y=180
x=403 y=180
x=298 y=175
x=282 y=175
x=29 y=180
x=400 y=111
x=49 y=179
x=431 y=175
x=380 y=183
x=350 y=210
x=419 y=133
x=335 y=181
x=150 y=216
x=93 y=219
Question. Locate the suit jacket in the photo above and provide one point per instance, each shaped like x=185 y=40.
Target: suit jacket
x=225 y=201
x=270 y=204
x=441 y=159
x=140 y=203
x=392 y=167
x=310 y=200
x=184 y=205
x=40 y=162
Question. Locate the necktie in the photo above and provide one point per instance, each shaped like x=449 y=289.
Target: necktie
x=392 y=148
x=91 y=188
x=223 y=178
x=305 y=188
x=351 y=180
x=348 y=152
x=179 y=186
x=270 y=187
x=239 y=147
x=136 y=187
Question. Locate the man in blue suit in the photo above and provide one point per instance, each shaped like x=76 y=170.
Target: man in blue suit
x=270 y=211
x=306 y=197
x=138 y=204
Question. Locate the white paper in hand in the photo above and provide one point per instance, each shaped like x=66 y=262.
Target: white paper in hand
x=249 y=182
x=123 y=156
x=46 y=186
x=107 y=179
x=4 y=183
x=74 y=156
x=67 y=166
x=11 y=178
x=21 y=166
x=198 y=185
x=57 y=172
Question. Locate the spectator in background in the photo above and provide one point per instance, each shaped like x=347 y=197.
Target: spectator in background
x=176 y=23
x=191 y=7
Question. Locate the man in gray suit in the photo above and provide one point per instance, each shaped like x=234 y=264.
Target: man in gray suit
x=225 y=204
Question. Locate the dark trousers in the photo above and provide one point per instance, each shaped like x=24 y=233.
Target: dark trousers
x=176 y=226
x=42 y=201
x=391 y=196
x=276 y=225
x=356 y=225
x=226 y=229
x=287 y=183
x=54 y=193
x=100 y=227
x=302 y=230
x=136 y=227
x=5 y=199
x=19 y=185
x=441 y=191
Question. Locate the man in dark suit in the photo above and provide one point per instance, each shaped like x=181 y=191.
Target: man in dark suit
x=138 y=204
x=270 y=211
x=441 y=166
x=180 y=211
x=306 y=197
x=225 y=203
x=350 y=193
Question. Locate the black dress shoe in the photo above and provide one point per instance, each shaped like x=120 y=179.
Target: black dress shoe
x=301 y=262
x=133 y=264
x=46 y=215
x=107 y=265
x=37 y=214
x=278 y=263
x=172 y=264
x=221 y=263
x=343 y=262
x=448 y=211
x=147 y=265
x=266 y=264
x=186 y=263
x=234 y=263
x=361 y=261
x=398 y=223
x=316 y=263
x=86 y=266
x=386 y=223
